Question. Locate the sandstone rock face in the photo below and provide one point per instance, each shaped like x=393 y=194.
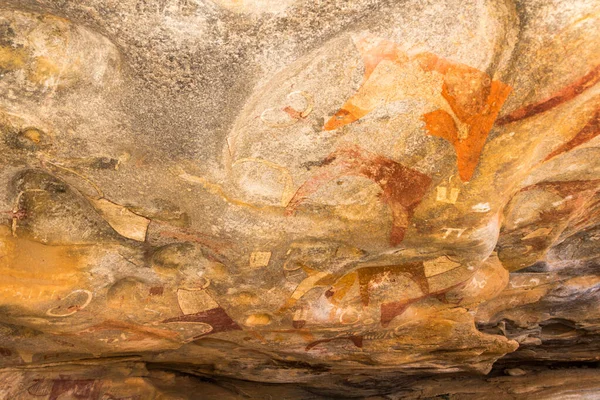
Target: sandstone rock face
x=205 y=198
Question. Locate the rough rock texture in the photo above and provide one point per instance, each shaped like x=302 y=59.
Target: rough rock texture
x=299 y=199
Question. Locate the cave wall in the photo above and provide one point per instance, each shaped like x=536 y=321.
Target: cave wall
x=354 y=198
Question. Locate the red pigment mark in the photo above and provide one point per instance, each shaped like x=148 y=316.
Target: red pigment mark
x=215 y=317
x=403 y=188
x=357 y=340
x=590 y=131
x=562 y=96
x=371 y=274
x=156 y=291
x=391 y=310
x=395 y=308
x=294 y=114
x=4 y=352
x=74 y=388
x=299 y=323
x=20 y=214
x=575 y=195
x=344 y=116
x=108 y=396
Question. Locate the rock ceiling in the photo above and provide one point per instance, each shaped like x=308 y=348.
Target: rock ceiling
x=201 y=199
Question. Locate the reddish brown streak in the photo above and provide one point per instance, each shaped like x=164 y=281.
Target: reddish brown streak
x=563 y=95
x=20 y=214
x=156 y=291
x=403 y=188
x=590 y=131
x=299 y=323
x=295 y=114
x=216 y=317
x=357 y=340
x=210 y=242
x=108 y=396
x=565 y=188
x=392 y=309
x=76 y=388
x=580 y=190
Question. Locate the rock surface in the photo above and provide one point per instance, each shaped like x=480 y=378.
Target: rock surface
x=244 y=199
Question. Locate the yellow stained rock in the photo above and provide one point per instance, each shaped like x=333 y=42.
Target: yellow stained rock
x=258 y=320
x=125 y=222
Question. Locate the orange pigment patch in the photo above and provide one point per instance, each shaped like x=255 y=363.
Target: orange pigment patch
x=468 y=150
x=474 y=98
x=345 y=115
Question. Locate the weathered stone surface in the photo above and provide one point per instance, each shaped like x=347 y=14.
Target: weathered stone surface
x=355 y=198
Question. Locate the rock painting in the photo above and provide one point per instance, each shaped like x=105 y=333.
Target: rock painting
x=59 y=388
x=530 y=237
x=417 y=272
x=370 y=275
x=562 y=96
x=476 y=107
x=122 y=220
x=338 y=290
x=260 y=259
x=314 y=279
x=395 y=308
x=289 y=114
x=348 y=195
x=474 y=99
x=589 y=131
x=403 y=188
x=447 y=193
x=217 y=318
x=71 y=306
